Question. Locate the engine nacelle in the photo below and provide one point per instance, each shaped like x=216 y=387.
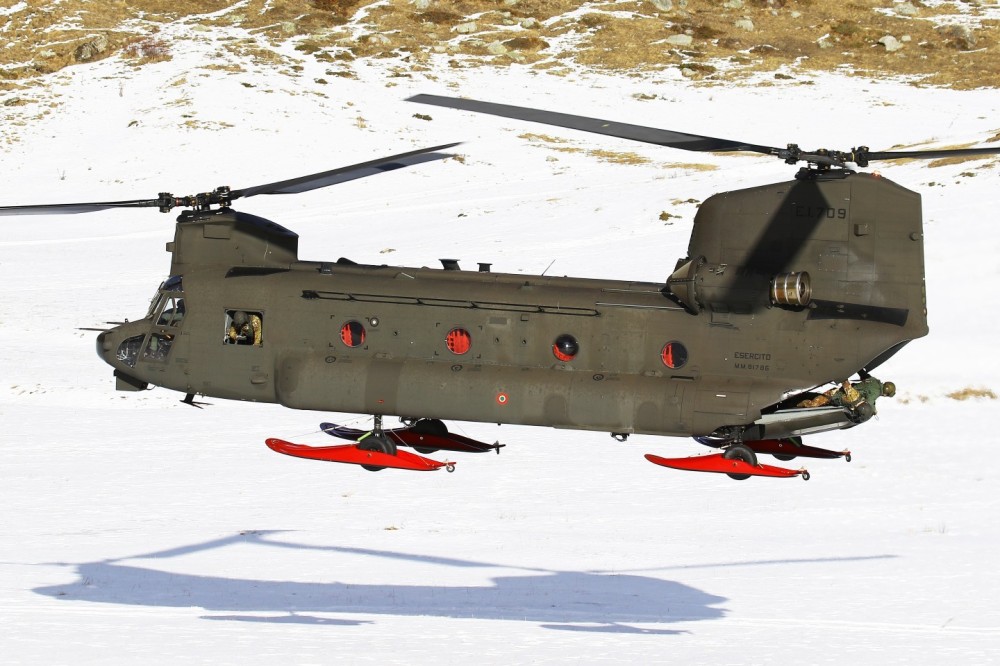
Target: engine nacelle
x=698 y=284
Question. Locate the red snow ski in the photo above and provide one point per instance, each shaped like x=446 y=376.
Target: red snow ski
x=716 y=462
x=353 y=455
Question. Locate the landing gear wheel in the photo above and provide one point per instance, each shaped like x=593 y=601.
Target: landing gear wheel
x=740 y=452
x=792 y=443
x=379 y=443
x=428 y=427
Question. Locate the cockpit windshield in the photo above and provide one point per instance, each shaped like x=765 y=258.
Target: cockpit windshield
x=172 y=312
x=171 y=284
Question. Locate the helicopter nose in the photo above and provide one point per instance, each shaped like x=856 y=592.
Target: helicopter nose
x=103 y=345
x=107 y=344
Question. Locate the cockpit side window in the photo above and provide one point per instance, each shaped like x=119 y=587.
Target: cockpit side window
x=158 y=347
x=128 y=350
x=244 y=327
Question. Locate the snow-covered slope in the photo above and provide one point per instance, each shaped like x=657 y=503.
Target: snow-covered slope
x=136 y=529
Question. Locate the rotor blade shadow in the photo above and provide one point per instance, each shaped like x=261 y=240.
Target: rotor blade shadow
x=761 y=563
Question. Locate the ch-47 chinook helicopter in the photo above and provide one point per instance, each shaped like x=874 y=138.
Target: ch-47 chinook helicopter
x=785 y=290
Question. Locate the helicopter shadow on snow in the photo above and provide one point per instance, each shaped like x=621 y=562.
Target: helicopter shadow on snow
x=562 y=600
x=568 y=600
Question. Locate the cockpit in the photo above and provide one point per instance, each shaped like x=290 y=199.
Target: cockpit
x=166 y=313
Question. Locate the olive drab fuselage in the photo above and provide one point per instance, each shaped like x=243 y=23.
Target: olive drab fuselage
x=785 y=288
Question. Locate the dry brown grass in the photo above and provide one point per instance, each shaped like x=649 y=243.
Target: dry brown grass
x=789 y=39
x=618 y=157
x=970 y=393
x=565 y=146
x=691 y=166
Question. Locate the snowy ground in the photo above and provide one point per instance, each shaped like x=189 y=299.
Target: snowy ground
x=136 y=529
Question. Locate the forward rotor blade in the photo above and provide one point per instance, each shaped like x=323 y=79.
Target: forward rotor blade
x=72 y=208
x=932 y=154
x=347 y=173
x=660 y=137
x=222 y=196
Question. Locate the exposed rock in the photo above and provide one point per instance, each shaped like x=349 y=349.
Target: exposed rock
x=91 y=49
x=421 y=5
x=466 y=28
x=890 y=43
x=496 y=48
x=906 y=9
x=960 y=36
x=669 y=5
x=733 y=4
x=680 y=40
x=526 y=43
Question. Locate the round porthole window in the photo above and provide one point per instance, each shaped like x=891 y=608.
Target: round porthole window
x=674 y=355
x=458 y=341
x=353 y=334
x=565 y=348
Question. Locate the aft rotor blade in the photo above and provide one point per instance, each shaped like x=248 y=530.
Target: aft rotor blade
x=660 y=137
x=347 y=173
x=71 y=208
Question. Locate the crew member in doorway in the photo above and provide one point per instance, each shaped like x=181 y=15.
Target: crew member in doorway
x=857 y=396
x=245 y=329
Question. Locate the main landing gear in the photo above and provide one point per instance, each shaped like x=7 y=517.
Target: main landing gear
x=378 y=449
x=739 y=459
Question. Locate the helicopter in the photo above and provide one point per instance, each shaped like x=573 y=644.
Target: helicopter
x=786 y=290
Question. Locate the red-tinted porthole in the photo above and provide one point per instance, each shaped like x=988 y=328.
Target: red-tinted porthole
x=674 y=355
x=459 y=341
x=353 y=334
x=565 y=348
